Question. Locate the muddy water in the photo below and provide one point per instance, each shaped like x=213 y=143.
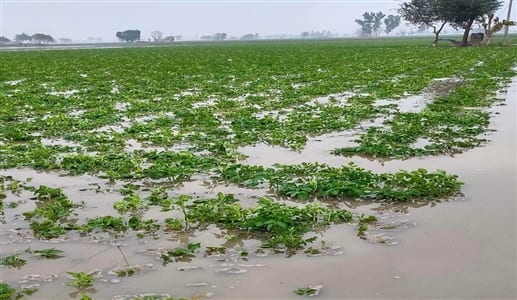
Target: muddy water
x=458 y=249
x=464 y=248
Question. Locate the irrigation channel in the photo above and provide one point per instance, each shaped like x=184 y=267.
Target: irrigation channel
x=462 y=248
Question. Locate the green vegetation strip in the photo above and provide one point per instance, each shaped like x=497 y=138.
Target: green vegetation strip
x=448 y=125
x=277 y=224
x=77 y=110
x=164 y=115
x=310 y=180
x=7 y=292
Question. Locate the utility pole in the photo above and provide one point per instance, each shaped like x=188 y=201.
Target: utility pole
x=507 y=27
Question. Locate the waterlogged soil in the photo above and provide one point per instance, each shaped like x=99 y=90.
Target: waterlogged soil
x=465 y=248
x=460 y=248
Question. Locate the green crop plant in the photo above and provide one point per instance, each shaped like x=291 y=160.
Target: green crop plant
x=7 y=292
x=50 y=218
x=49 y=253
x=275 y=223
x=194 y=110
x=309 y=180
x=105 y=223
x=80 y=280
x=12 y=261
x=184 y=254
x=268 y=101
x=131 y=203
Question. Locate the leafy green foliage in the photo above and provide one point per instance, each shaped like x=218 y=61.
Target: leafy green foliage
x=12 y=261
x=49 y=253
x=172 y=224
x=265 y=95
x=318 y=180
x=146 y=226
x=49 y=219
x=280 y=224
x=184 y=254
x=106 y=223
x=80 y=280
x=131 y=203
x=187 y=113
x=12 y=186
x=9 y=293
x=308 y=291
x=451 y=123
x=47 y=229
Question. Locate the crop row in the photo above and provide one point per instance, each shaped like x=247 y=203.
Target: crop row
x=203 y=97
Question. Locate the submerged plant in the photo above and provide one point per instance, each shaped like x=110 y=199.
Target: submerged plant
x=12 y=261
x=309 y=291
x=276 y=223
x=127 y=271
x=105 y=223
x=80 y=280
x=47 y=229
x=309 y=180
x=180 y=253
x=49 y=253
x=49 y=219
x=9 y=293
x=131 y=203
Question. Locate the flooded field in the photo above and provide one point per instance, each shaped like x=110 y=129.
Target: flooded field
x=464 y=248
x=393 y=189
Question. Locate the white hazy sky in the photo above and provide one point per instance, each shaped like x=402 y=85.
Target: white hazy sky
x=80 y=19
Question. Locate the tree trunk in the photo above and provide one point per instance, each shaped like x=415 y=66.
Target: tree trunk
x=436 y=37
x=489 y=39
x=437 y=34
x=464 y=41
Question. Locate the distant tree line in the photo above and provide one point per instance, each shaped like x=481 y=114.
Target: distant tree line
x=316 y=34
x=37 y=38
x=219 y=36
x=4 y=40
x=41 y=38
x=157 y=37
x=250 y=36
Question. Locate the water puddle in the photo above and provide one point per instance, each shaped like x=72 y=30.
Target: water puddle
x=65 y=94
x=339 y=99
x=59 y=142
x=416 y=103
x=14 y=82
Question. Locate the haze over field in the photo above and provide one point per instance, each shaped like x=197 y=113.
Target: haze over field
x=79 y=20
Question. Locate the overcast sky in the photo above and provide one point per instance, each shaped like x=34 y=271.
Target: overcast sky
x=97 y=18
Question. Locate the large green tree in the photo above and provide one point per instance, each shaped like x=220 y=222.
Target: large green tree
x=425 y=14
x=458 y=13
x=366 y=23
x=377 y=22
x=463 y=13
x=371 y=23
x=391 y=22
